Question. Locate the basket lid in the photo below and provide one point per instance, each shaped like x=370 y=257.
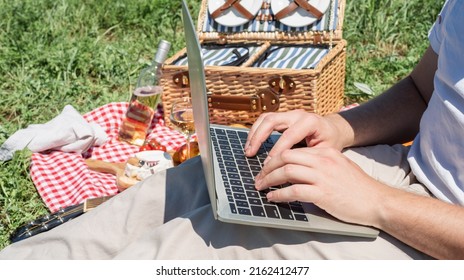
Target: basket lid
x=261 y=24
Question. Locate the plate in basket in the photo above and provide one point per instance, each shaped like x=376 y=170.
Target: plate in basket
x=299 y=17
x=232 y=17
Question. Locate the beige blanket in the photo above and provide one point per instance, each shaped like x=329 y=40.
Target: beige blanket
x=168 y=216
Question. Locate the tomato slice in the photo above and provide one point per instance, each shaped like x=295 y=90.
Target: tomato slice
x=154 y=145
x=160 y=148
x=145 y=148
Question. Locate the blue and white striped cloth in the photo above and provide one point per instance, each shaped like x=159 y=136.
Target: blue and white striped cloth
x=292 y=57
x=222 y=56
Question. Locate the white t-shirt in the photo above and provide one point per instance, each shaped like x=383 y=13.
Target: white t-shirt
x=437 y=155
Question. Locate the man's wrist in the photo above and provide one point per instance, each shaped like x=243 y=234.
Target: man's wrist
x=344 y=131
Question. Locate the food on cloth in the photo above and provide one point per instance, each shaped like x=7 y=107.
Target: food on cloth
x=137 y=168
x=181 y=154
x=123 y=182
x=115 y=168
x=146 y=163
x=151 y=145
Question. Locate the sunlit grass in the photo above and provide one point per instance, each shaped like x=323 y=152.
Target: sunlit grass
x=385 y=40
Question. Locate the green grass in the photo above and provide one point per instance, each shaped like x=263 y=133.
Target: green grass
x=88 y=53
x=385 y=40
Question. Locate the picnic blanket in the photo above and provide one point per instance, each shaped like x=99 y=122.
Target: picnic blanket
x=63 y=179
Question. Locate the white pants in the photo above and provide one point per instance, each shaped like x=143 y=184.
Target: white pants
x=168 y=216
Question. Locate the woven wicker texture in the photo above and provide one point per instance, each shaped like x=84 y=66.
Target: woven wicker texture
x=319 y=90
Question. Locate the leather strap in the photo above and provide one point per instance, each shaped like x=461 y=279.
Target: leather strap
x=296 y=4
x=229 y=4
x=266 y=100
x=229 y=102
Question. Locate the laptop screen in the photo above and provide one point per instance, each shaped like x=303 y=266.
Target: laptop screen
x=199 y=101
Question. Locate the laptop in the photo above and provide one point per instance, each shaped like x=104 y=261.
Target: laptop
x=230 y=175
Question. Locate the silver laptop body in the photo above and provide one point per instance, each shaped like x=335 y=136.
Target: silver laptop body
x=312 y=219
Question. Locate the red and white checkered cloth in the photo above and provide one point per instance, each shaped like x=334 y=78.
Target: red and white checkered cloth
x=63 y=179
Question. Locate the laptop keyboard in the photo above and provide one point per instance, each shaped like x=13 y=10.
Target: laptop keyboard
x=238 y=173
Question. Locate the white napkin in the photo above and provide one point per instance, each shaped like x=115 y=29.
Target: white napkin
x=67 y=132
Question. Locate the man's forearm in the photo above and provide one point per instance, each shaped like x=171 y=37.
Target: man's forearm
x=394 y=116
x=408 y=217
x=390 y=118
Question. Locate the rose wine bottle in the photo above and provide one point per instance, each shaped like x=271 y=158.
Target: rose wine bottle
x=144 y=100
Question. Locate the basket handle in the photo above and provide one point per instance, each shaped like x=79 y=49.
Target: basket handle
x=266 y=100
x=280 y=84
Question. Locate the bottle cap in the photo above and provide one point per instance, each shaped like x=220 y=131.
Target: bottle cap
x=162 y=52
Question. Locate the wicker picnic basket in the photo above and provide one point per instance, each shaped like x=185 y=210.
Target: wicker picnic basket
x=238 y=94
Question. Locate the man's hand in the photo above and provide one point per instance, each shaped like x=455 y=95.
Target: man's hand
x=327 y=178
x=296 y=126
